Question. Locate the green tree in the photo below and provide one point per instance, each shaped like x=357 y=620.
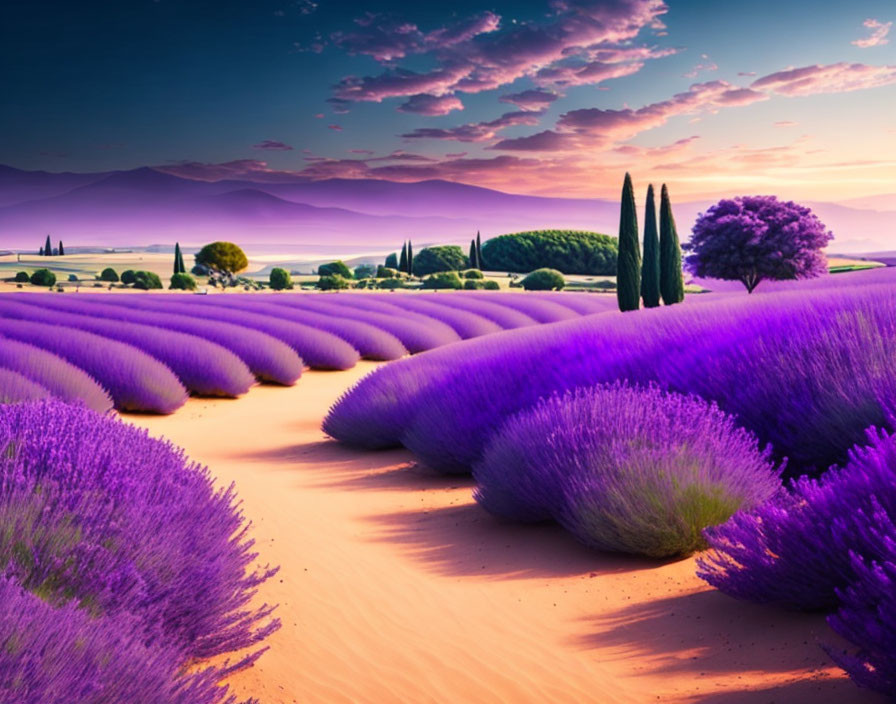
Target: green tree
x=48 y=248
x=109 y=274
x=225 y=257
x=22 y=277
x=61 y=249
x=568 y=251
x=337 y=268
x=128 y=276
x=650 y=268
x=147 y=280
x=442 y=279
x=403 y=260
x=182 y=281
x=479 y=251
x=474 y=257
x=628 y=266
x=332 y=282
x=410 y=258
x=442 y=258
x=544 y=280
x=671 y=278
x=179 y=267
x=365 y=271
x=391 y=261
x=43 y=277
x=280 y=279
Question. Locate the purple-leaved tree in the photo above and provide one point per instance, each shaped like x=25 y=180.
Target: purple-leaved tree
x=753 y=238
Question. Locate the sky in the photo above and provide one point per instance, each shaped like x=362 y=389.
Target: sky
x=548 y=97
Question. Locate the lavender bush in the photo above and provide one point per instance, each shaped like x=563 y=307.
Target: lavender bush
x=625 y=469
x=119 y=522
x=799 y=549
x=136 y=381
x=493 y=310
x=64 y=654
x=15 y=388
x=541 y=309
x=62 y=379
x=268 y=359
x=464 y=323
x=204 y=368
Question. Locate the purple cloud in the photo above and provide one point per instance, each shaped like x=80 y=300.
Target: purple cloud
x=431 y=105
x=337 y=128
x=833 y=78
x=272 y=145
x=476 y=131
x=537 y=99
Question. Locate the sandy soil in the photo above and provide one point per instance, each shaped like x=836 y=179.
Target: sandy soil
x=395 y=587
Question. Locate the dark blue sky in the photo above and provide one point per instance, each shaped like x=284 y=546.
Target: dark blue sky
x=692 y=85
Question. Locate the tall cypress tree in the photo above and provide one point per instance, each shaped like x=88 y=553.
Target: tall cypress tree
x=479 y=250
x=183 y=267
x=403 y=261
x=48 y=248
x=650 y=267
x=474 y=260
x=671 y=279
x=61 y=249
x=41 y=252
x=628 y=264
x=410 y=258
x=178 y=259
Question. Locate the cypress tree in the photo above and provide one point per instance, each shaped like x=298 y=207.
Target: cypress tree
x=178 y=259
x=474 y=260
x=403 y=261
x=410 y=258
x=48 y=248
x=671 y=279
x=61 y=249
x=628 y=264
x=479 y=250
x=183 y=267
x=650 y=267
x=41 y=253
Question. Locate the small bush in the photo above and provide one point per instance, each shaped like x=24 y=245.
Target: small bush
x=625 y=469
x=390 y=284
x=128 y=277
x=22 y=277
x=797 y=550
x=332 y=283
x=182 y=282
x=337 y=268
x=147 y=280
x=73 y=278
x=443 y=280
x=43 y=277
x=222 y=256
x=280 y=279
x=473 y=284
x=385 y=272
x=109 y=274
x=491 y=286
x=473 y=274
x=365 y=271
x=544 y=280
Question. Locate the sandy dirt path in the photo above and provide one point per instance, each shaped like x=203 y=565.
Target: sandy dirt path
x=395 y=587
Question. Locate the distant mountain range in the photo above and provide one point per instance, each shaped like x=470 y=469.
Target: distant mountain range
x=148 y=206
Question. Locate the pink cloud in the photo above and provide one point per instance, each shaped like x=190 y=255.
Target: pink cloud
x=456 y=155
x=878 y=35
x=398 y=83
x=431 y=105
x=785 y=123
x=700 y=68
x=530 y=99
x=591 y=73
x=272 y=145
x=833 y=78
x=476 y=131
x=366 y=152
x=338 y=128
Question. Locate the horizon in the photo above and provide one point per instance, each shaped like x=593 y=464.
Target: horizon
x=555 y=98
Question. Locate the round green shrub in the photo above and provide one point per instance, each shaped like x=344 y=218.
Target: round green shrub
x=43 y=277
x=109 y=274
x=128 y=277
x=222 y=256
x=544 y=280
x=473 y=274
x=365 y=271
x=568 y=251
x=22 y=277
x=385 y=272
x=73 y=278
x=392 y=261
x=183 y=282
x=146 y=280
x=390 y=284
x=473 y=284
x=337 y=268
x=280 y=279
x=491 y=286
x=332 y=283
x=443 y=280
x=435 y=259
